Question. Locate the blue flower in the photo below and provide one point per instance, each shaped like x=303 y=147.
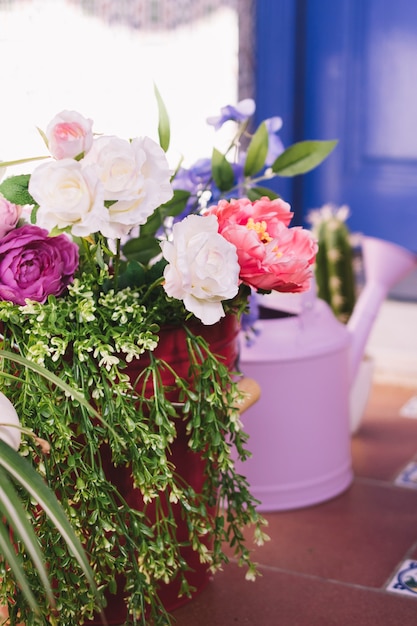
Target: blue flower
x=275 y=145
x=239 y=113
x=198 y=180
x=249 y=319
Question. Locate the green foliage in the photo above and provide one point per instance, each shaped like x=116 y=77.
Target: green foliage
x=15 y=470
x=302 y=157
x=86 y=341
x=255 y=193
x=257 y=151
x=222 y=171
x=164 y=131
x=15 y=189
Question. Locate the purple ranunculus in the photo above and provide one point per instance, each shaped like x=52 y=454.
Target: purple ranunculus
x=239 y=113
x=34 y=265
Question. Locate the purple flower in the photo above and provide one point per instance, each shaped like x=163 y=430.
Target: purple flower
x=239 y=113
x=198 y=180
x=275 y=145
x=249 y=319
x=34 y=266
x=194 y=179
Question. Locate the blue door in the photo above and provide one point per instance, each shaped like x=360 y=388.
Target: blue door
x=353 y=76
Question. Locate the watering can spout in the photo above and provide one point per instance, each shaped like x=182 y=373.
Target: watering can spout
x=385 y=264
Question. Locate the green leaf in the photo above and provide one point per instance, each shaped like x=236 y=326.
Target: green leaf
x=142 y=249
x=257 y=151
x=172 y=208
x=19 y=469
x=163 y=124
x=254 y=193
x=222 y=171
x=302 y=157
x=22 y=161
x=44 y=137
x=12 y=510
x=48 y=375
x=15 y=189
x=132 y=274
x=177 y=204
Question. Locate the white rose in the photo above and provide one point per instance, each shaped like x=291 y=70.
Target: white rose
x=135 y=175
x=69 y=134
x=68 y=196
x=9 y=434
x=202 y=268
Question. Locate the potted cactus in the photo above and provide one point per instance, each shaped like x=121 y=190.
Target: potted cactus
x=336 y=280
x=334 y=267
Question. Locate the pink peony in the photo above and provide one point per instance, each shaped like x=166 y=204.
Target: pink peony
x=9 y=216
x=271 y=255
x=34 y=266
x=69 y=134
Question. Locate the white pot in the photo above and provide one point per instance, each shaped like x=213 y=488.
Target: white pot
x=9 y=434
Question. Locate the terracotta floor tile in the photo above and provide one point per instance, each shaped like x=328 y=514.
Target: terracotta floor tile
x=386 y=442
x=286 y=599
x=385 y=401
x=413 y=553
x=358 y=537
x=381 y=449
x=329 y=564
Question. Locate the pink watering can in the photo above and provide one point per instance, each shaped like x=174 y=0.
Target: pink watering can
x=306 y=364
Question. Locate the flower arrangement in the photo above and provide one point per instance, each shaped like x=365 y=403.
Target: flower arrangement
x=105 y=249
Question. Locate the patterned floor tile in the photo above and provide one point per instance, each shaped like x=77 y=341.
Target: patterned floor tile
x=405 y=579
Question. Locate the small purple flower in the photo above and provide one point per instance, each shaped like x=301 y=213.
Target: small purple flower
x=239 y=113
x=198 y=180
x=194 y=179
x=275 y=145
x=34 y=266
x=249 y=319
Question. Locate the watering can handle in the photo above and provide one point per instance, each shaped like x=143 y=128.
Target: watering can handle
x=251 y=392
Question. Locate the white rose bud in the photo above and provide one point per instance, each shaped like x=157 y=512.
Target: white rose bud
x=69 y=134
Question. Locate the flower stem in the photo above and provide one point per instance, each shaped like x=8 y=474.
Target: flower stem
x=116 y=265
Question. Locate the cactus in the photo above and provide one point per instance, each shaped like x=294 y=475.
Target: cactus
x=334 y=271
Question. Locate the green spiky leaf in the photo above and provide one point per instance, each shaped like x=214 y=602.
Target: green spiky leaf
x=13 y=512
x=19 y=469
